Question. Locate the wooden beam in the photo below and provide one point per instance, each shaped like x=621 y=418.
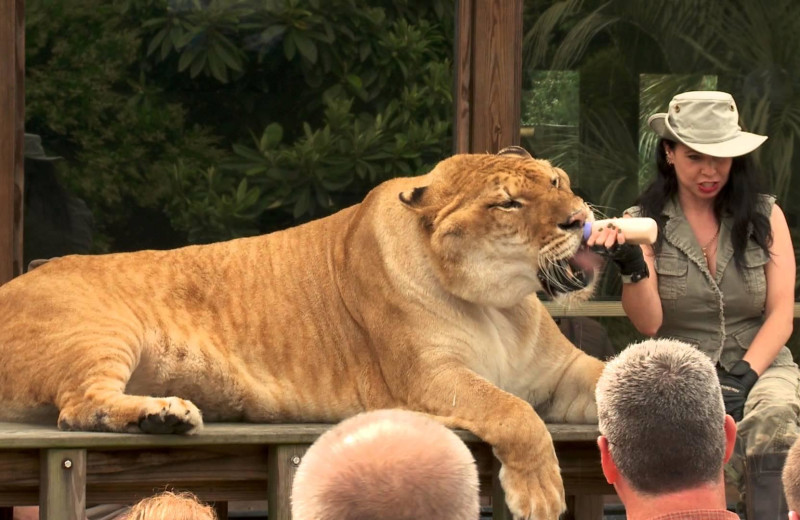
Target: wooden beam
x=462 y=88
x=12 y=103
x=283 y=462
x=62 y=489
x=499 y=507
x=599 y=309
x=496 y=74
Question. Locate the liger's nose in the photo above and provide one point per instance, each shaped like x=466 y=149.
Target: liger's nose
x=574 y=221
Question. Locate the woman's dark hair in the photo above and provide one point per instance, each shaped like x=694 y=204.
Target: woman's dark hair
x=739 y=198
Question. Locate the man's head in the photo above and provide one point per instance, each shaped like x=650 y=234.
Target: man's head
x=662 y=418
x=171 y=506
x=791 y=477
x=389 y=465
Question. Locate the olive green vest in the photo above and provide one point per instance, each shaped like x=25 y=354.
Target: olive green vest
x=719 y=315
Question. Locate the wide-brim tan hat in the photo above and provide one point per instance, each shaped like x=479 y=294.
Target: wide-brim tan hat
x=707 y=122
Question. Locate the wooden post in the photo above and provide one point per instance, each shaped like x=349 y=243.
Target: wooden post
x=283 y=462
x=12 y=103
x=499 y=508
x=488 y=79
x=221 y=508
x=62 y=485
x=585 y=507
x=462 y=89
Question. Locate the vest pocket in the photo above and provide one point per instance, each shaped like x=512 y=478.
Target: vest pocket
x=672 y=276
x=755 y=277
x=745 y=335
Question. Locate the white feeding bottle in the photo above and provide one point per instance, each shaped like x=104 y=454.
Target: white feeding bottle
x=637 y=230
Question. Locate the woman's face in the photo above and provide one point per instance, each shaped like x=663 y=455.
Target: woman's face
x=699 y=175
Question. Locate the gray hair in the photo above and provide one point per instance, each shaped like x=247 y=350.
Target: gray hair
x=660 y=406
x=387 y=465
x=791 y=477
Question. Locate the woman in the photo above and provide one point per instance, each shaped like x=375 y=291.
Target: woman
x=720 y=276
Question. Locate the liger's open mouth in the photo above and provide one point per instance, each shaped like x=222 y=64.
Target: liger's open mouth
x=568 y=274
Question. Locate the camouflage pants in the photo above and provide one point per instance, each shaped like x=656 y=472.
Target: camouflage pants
x=771 y=421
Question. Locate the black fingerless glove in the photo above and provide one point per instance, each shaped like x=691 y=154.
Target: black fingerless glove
x=629 y=259
x=736 y=384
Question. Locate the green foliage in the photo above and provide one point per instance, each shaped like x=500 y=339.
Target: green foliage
x=551 y=98
x=235 y=117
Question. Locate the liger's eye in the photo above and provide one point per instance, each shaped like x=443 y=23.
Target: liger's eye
x=555 y=181
x=508 y=204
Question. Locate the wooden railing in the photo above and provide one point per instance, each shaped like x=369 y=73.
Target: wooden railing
x=598 y=309
x=64 y=472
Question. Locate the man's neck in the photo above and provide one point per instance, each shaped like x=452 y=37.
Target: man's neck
x=643 y=507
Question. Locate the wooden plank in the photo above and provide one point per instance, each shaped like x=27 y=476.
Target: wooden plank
x=283 y=463
x=221 y=508
x=208 y=491
x=581 y=470
x=62 y=493
x=584 y=507
x=463 y=76
x=15 y=435
x=123 y=476
x=19 y=131
x=496 y=75
x=583 y=478
x=161 y=466
x=30 y=436
x=601 y=309
x=499 y=508
x=9 y=83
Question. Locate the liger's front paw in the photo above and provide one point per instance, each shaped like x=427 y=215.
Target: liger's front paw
x=535 y=494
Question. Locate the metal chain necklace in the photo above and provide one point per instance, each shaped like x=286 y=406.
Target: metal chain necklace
x=704 y=248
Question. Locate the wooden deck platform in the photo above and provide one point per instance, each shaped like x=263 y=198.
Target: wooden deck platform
x=64 y=472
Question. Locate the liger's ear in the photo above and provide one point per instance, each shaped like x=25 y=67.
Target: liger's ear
x=515 y=150
x=413 y=198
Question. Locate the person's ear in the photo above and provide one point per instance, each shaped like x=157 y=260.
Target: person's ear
x=793 y=515
x=669 y=153
x=730 y=437
x=606 y=461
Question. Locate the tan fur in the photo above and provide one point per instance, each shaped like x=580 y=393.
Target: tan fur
x=421 y=297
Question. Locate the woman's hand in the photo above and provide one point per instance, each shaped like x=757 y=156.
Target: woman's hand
x=609 y=241
x=640 y=297
x=607 y=237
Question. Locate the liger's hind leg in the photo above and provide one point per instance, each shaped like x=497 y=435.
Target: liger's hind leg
x=99 y=403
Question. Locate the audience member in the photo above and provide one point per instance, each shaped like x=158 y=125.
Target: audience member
x=664 y=433
x=387 y=465
x=170 y=506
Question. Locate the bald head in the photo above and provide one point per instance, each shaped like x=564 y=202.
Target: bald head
x=387 y=465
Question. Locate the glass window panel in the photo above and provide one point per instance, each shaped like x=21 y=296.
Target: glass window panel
x=549 y=115
x=631 y=57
